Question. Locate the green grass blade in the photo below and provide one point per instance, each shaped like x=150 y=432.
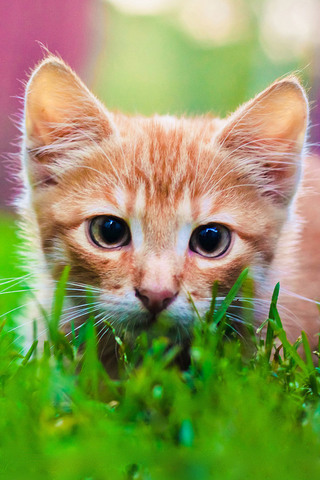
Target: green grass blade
x=307 y=351
x=261 y=327
x=281 y=334
x=89 y=370
x=46 y=349
x=57 y=304
x=248 y=309
x=194 y=307
x=210 y=313
x=30 y=352
x=2 y=324
x=270 y=330
x=309 y=361
x=222 y=310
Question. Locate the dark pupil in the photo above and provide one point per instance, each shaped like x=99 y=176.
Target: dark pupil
x=209 y=238
x=112 y=231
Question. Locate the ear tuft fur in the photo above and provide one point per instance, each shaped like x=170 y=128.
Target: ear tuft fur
x=58 y=104
x=266 y=137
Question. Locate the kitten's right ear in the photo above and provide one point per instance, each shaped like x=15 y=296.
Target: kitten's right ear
x=58 y=106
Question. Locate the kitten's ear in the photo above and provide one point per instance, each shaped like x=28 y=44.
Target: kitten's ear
x=58 y=104
x=266 y=137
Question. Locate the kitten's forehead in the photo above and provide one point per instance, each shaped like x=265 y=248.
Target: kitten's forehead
x=162 y=167
x=186 y=210
x=166 y=155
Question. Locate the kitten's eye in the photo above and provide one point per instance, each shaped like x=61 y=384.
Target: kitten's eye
x=109 y=232
x=211 y=240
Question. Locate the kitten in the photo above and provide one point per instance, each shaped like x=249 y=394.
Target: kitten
x=150 y=210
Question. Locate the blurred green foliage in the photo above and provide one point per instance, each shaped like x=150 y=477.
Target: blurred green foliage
x=150 y=66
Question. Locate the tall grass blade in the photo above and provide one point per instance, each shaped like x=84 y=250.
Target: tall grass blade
x=57 y=304
x=281 y=334
x=89 y=376
x=210 y=313
x=194 y=307
x=248 y=311
x=222 y=310
x=309 y=362
x=29 y=353
x=270 y=330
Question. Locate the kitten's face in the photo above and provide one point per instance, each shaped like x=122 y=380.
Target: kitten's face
x=151 y=211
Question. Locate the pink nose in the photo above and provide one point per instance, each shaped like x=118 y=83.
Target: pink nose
x=156 y=300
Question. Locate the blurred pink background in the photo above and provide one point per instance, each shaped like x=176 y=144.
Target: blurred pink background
x=67 y=27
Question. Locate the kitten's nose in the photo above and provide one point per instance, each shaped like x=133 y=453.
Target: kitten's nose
x=156 y=300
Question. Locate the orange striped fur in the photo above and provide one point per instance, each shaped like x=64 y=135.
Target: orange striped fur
x=165 y=177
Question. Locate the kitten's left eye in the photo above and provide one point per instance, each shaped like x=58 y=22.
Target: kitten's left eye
x=211 y=240
x=109 y=232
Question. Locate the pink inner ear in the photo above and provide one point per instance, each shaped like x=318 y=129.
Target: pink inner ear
x=58 y=104
x=278 y=114
x=265 y=138
x=284 y=117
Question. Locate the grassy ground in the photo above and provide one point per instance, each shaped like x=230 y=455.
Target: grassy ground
x=229 y=416
x=9 y=259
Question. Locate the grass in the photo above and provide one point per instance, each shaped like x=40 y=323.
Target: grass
x=9 y=260
x=235 y=413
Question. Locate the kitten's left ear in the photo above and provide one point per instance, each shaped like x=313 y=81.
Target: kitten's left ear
x=58 y=106
x=265 y=138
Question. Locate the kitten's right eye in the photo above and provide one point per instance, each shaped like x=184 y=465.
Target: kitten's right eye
x=109 y=232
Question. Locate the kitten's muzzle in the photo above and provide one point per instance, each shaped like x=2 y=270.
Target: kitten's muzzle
x=156 y=301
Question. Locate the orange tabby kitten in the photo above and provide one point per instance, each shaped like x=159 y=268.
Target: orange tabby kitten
x=147 y=210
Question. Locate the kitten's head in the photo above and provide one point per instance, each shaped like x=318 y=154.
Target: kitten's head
x=151 y=210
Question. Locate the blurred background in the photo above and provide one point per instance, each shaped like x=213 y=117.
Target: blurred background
x=177 y=56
